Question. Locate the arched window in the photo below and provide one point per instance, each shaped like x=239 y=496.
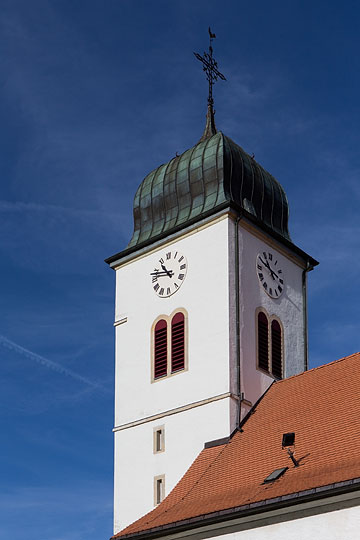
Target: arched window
x=160 y=349
x=269 y=344
x=276 y=349
x=263 y=341
x=169 y=345
x=177 y=342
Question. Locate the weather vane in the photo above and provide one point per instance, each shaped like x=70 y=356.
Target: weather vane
x=210 y=68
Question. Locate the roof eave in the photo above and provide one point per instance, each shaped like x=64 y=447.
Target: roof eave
x=269 y=505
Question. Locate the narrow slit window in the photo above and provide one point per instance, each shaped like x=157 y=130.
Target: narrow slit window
x=263 y=341
x=276 y=349
x=177 y=342
x=159 y=439
x=160 y=349
x=159 y=489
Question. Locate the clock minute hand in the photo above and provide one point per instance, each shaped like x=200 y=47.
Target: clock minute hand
x=159 y=273
x=267 y=265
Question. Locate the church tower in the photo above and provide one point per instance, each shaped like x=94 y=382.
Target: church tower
x=210 y=309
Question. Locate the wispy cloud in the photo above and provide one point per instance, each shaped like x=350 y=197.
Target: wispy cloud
x=50 y=364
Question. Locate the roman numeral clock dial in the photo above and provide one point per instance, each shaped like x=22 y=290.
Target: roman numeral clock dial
x=271 y=276
x=169 y=273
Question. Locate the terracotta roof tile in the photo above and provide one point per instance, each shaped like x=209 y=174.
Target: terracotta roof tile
x=321 y=406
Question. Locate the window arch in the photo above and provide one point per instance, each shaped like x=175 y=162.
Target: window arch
x=269 y=336
x=169 y=345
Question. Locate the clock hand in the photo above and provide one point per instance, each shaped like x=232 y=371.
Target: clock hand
x=169 y=272
x=264 y=263
x=273 y=273
x=267 y=265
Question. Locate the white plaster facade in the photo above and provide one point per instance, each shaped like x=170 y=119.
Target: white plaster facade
x=199 y=404
x=289 y=308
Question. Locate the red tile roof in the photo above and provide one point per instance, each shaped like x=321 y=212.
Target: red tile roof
x=322 y=407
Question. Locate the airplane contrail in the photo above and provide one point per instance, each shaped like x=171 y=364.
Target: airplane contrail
x=50 y=364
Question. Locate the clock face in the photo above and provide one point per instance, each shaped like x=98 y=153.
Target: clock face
x=271 y=276
x=169 y=273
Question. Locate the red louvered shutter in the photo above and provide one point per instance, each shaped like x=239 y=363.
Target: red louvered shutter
x=177 y=342
x=276 y=352
x=160 y=349
x=263 y=341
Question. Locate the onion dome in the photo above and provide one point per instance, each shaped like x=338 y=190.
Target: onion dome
x=212 y=175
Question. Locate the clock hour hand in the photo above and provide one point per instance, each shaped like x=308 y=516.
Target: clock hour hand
x=158 y=273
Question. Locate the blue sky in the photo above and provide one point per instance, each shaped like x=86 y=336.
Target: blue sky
x=94 y=95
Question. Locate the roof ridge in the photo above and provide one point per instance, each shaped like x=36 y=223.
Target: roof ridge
x=316 y=368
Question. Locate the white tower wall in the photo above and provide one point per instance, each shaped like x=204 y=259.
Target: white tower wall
x=289 y=309
x=199 y=404
x=204 y=295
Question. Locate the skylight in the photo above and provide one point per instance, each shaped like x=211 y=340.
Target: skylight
x=275 y=475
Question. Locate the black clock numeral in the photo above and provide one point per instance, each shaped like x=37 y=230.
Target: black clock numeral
x=156 y=287
x=161 y=291
x=270 y=256
x=261 y=276
x=281 y=281
x=181 y=259
x=265 y=256
x=168 y=291
x=154 y=279
x=175 y=254
x=176 y=285
x=259 y=266
x=265 y=285
x=181 y=276
x=275 y=263
x=279 y=289
x=270 y=290
x=168 y=256
x=280 y=271
x=182 y=267
x=276 y=292
x=161 y=261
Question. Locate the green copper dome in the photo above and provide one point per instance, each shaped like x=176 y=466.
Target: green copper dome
x=202 y=180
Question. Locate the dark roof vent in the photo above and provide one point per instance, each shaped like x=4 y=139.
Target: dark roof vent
x=288 y=439
x=275 y=475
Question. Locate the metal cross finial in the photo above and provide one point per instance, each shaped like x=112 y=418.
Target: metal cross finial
x=210 y=68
